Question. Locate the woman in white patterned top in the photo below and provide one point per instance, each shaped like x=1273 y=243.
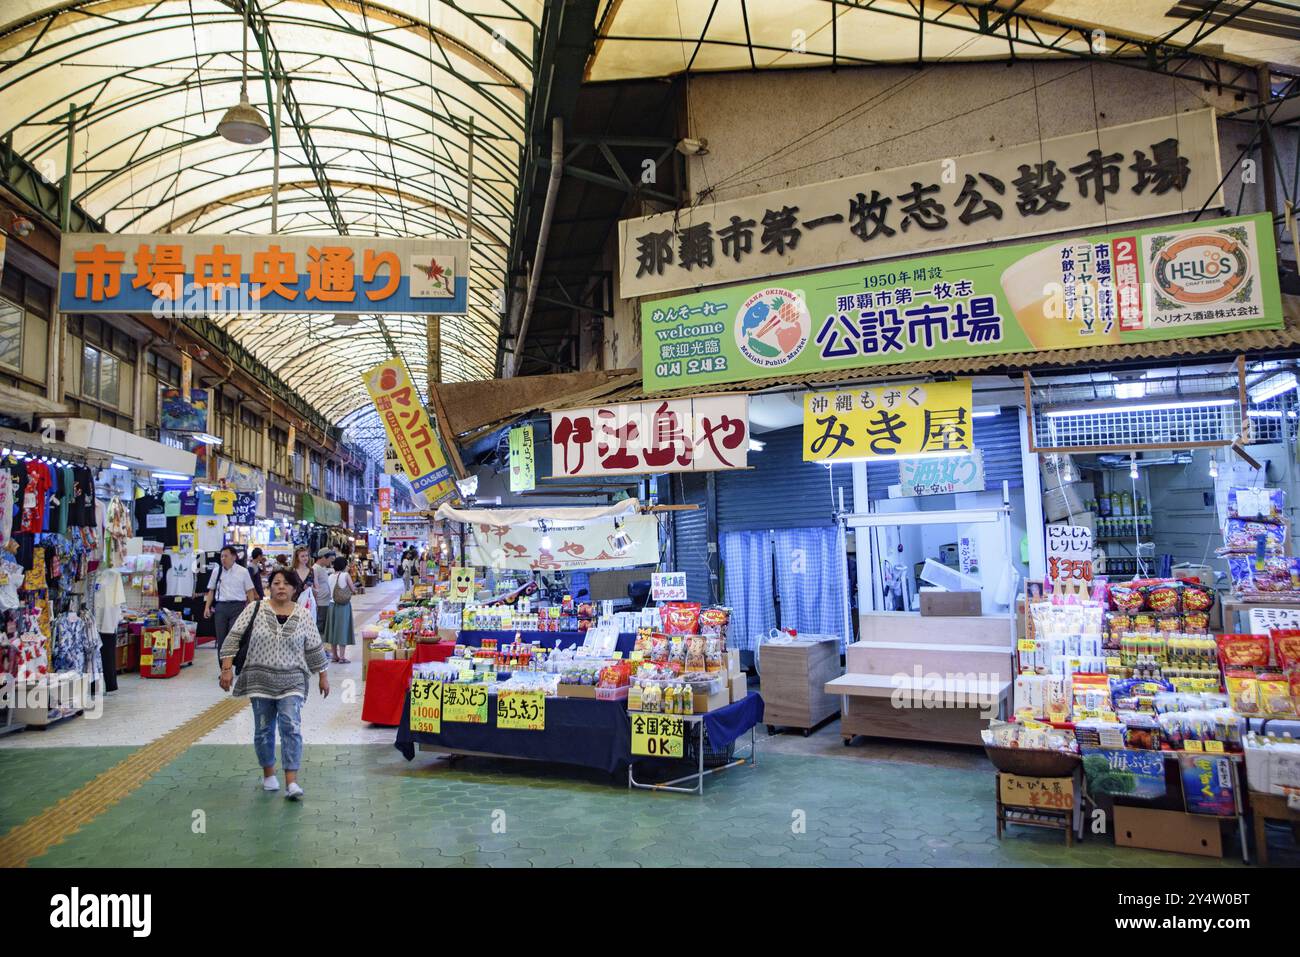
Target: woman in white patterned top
x=284 y=650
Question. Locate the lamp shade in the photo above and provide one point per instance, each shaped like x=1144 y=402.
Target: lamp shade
x=243 y=124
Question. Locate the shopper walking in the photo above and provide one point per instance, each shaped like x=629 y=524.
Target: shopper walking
x=257 y=571
x=283 y=650
x=338 y=631
x=302 y=563
x=230 y=588
x=408 y=570
x=320 y=586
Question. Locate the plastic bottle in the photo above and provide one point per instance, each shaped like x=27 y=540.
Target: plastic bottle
x=688 y=700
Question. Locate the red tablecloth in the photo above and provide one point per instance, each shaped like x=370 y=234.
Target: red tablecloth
x=386 y=686
x=431 y=651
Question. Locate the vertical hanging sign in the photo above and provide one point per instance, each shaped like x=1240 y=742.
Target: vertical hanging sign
x=523 y=477
x=409 y=430
x=187 y=372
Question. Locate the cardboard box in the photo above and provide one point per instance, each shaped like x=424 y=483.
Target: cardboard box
x=949 y=604
x=713 y=702
x=1060 y=503
x=739 y=685
x=731 y=661
x=1168 y=831
x=577 y=691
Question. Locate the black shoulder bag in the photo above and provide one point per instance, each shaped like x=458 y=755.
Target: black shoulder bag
x=242 y=654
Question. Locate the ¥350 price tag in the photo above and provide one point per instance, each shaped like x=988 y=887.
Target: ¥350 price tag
x=467 y=703
x=521 y=710
x=426 y=705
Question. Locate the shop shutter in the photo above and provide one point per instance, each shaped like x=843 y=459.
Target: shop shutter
x=997 y=437
x=781 y=490
x=691 y=533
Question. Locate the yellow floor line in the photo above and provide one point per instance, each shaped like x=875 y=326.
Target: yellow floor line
x=38 y=834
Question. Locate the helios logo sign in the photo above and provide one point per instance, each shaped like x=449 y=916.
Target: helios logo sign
x=76 y=910
x=1202 y=268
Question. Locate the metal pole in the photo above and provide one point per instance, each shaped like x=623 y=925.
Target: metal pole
x=65 y=200
x=1267 y=159
x=275 y=175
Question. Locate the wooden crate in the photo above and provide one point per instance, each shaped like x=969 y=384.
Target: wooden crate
x=792 y=680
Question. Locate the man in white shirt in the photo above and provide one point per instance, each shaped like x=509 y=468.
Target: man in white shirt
x=230 y=588
x=320 y=580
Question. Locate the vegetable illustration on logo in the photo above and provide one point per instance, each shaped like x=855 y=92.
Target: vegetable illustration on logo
x=773 y=327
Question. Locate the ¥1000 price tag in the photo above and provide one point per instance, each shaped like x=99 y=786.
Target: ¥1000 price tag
x=467 y=703
x=657 y=735
x=521 y=710
x=426 y=705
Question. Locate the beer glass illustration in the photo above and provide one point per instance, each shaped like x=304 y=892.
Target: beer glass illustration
x=1035 y=289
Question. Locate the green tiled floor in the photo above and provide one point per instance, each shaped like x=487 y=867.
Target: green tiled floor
x=33 y=779
x=366 y=806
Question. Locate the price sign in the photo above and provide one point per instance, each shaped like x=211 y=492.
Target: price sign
x=522 y=710
x=1051 y=793
x=657 y=735
x=426 y=705
x=1263 y=619
x=1069 y=558
x=466 y=703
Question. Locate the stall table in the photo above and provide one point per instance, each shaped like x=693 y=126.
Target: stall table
x=386 y=685
x=427 y=651
x=579 y=731
x=722 y=726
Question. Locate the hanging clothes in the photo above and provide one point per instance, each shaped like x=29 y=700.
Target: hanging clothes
x=35 y=493
x=69 y=644
x=117 y=518
x=7 y=504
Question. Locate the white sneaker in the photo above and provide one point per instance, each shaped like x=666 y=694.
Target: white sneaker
x=271 y=784
x=293 y=792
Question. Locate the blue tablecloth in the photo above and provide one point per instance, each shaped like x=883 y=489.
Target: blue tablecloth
x=579 y=731
x=547 y=639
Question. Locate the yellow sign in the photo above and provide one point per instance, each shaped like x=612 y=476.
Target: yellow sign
x=657 y=735
x=521 y=710
x=187 y=372
x=185 y=524
x=146 y=660
x=1055 y=794
x=462 y=584
x=426 y=705
x=466 y=703
x=1193 y=746
x=894 y=420
x=1214 y=747
x=1027 y=644
x=409 y=430
x=523 y=472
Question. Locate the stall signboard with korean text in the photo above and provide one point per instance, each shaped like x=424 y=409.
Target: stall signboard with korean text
x=426 y=705
x=1125 y=772
x=465 y=703
x=176 y=274
x=674 y=435
x=409 y=429
x=1208 y=784
x=668 y=586
x=523 y=469
x=1069 y=558
x=1156 y=167
x=599 y=544
x=1159 y=283
x=1048 y=794
x=931 y=419
x=462 y=584
x=657 y=735
x=943 y=475
x=1264 y=619
x=521 y=710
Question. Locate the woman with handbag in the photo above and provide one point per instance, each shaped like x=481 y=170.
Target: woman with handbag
x=338 y=627
x=274 y=648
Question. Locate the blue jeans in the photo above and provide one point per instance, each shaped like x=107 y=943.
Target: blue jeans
x=287 y=713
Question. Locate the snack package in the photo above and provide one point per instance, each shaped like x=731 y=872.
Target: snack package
x=1260 y=504
x=1286 y=647
x=1196 y=623
x=1243 y=651
x=1127 y=598
x=1196 y=597
x=1275 y=695
x=1141 y=730
x=1163 y=598
x=1242 y=536
x=1243 y=691
x=715 y=622
x=1271 y=577
x=681 y=617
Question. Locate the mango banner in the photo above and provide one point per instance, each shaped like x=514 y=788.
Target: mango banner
x=1167 y=282
x=931 y=418
x=409 y=430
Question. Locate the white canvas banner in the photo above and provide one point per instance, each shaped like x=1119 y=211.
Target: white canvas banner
x=594 y=545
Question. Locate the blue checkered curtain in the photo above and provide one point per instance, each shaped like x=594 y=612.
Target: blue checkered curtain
x=747 y=569
x=810 y=581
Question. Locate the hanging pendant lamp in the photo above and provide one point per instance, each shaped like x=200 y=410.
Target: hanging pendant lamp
x=242 y=123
